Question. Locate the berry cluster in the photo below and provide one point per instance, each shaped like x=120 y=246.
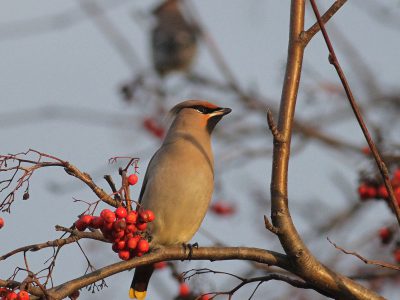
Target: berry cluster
x=7 y=294
x=375 y=189
x=124 y=229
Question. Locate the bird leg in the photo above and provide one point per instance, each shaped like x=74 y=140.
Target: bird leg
x=190 y=247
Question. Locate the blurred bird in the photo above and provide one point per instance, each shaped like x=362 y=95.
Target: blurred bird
x=174 y=39
x=179 y=181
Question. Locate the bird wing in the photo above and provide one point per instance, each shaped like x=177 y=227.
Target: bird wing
x=146 y=177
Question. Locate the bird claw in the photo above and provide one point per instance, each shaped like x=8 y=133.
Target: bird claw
x=190 y=247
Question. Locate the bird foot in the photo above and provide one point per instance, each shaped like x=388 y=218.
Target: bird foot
x=190 y=248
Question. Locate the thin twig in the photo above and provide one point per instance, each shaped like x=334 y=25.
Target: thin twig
x=308 y=35
x=365 y=260
x=76 y=235
x=380 y=163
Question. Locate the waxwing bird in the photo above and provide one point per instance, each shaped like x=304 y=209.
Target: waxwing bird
x=173 y=39
x=179 y=181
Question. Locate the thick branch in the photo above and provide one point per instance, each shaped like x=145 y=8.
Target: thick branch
x=173 y=253
x=305 y=264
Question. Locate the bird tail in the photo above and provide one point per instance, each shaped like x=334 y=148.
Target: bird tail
x=140 y=282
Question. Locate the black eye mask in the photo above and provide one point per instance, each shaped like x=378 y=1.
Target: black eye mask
x=205 y=110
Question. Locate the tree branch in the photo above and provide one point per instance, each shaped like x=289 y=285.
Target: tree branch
x=380 y=163
x=365 y=260
x=305 y=264
x=309 y=34
x=172 y=253
x=75 y=236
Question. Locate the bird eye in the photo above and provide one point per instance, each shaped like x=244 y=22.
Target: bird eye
x=201 y=109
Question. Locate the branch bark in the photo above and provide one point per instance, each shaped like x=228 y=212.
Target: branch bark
x=313 y=30
x=171 y=253
x=305 y=264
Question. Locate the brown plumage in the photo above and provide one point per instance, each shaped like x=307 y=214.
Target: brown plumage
x=179 y=180
x=174 y=39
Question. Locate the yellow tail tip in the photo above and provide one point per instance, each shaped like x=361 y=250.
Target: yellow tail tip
x=137 y=295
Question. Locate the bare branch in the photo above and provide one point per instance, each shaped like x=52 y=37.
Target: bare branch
x=76 y=235
x=380 y=163
x=309 y=34
x=20 y=163
x=365 y=260
x=244 y=281
x=172 y=253
x=307 y=266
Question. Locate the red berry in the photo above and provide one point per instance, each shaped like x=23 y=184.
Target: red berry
x=396 y=175
x=3 y=292
x=372 y=192
x=143 y=246
x=396 y=255
x=147 y=216
x=205 y=297
x=124 y=254
x=366 y=150
x=80 y=225
x=117 y=235
x=133 y=242
x=184 y=290
x=363 y=191
x=121 y=212
x=131 y=218
x=114 y=248
x=119 y=225
x=141 y=226
x=222 y=208
x=385 y=235
x=108 y=216
x=23 y=295
x=133 y=179
x=138 y=254
x=86 y=219
x=97 y=222
x=397 y=194
x=160 y=265
x=383 y=192
x=1 y=223
x=150 y=215
x=11 y=296
x=151 y=125
x=104 y=212
x=107 y=226
x=130 y=228
x=121 y=245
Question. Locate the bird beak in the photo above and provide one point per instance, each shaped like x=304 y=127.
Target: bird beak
x=220 y=112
